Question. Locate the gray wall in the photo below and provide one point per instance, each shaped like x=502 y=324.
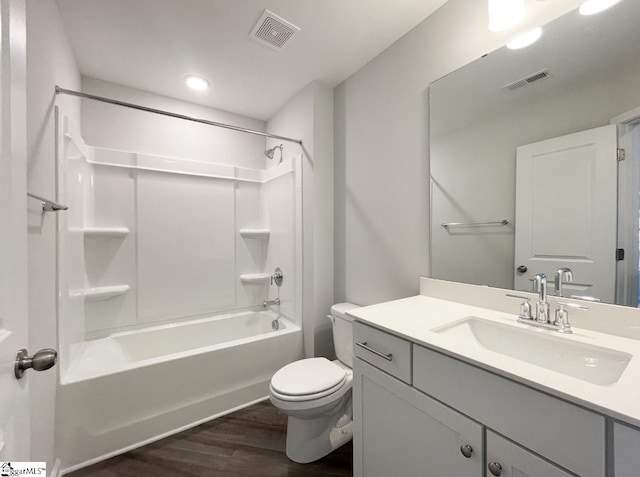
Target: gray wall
x=381 y=148
x=309 y=116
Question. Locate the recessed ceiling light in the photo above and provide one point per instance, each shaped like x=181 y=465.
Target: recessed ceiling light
x=504 y=14
x=525 y=40
x=196 y=82
x=591 y=7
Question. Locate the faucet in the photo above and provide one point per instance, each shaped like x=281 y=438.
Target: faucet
x=542 y=307
x=275 y=301
x=562 y=274
x=542 y=320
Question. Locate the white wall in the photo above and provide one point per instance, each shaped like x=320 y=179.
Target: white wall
x=116 y=127
x=309 y=116
x=49 y=62
x=382 y=150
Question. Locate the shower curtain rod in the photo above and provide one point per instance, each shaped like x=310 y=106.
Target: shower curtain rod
x=60 y=90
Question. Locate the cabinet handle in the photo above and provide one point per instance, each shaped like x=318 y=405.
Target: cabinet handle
x=495 y=468
x=363 y=345
x=466 y=450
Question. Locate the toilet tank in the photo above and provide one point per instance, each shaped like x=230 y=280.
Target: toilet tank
x=343 y=332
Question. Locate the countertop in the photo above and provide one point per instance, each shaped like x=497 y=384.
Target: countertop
x=415 y=319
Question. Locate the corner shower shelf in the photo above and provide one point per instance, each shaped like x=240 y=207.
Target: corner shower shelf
x=101 y=293
x=255 y=278
x=104 y=232
x=255 y=233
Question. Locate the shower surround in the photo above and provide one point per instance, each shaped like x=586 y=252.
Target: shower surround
x=163 y=265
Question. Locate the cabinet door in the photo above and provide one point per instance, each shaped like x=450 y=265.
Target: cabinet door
x=626 y=448
x=400 y=431
x=510 y=460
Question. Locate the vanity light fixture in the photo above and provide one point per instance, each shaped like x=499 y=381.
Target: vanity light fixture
x=197 y=82
x=504 y=14
x=525 y=40
x=591 y=7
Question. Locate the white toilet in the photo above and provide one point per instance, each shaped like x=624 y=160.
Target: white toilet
x=316 y=394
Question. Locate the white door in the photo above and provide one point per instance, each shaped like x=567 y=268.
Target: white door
x=566 y=194
x=14 y=394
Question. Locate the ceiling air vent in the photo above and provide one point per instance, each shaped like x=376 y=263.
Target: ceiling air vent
x=540 y=75
x=273 y=31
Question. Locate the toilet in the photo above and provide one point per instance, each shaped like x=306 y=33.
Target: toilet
x=316 y=395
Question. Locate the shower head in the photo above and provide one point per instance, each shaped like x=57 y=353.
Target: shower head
x=271 y=152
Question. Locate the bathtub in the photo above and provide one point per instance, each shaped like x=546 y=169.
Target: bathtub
x=134 y=387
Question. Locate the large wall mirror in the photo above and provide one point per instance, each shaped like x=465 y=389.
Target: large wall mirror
x=525 y=177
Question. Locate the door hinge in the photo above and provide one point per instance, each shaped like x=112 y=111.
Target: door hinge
x=620 y=254
x=621 y=154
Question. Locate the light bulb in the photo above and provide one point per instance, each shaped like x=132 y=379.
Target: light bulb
x=196 y=82
x=504 y=14
x=591 y=7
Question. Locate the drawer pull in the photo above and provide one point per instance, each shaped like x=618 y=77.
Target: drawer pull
x=466 y=450
x=388 y=357
x=495 y=468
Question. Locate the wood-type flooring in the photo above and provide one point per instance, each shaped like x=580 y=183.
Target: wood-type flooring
x=249 y=442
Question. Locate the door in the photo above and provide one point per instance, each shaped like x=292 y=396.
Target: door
x=506 y=459
x=566 y=198
x=14 y=394
x=628 y=208
x=400 y=431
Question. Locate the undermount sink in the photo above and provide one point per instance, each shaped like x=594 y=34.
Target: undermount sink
x=588 y=363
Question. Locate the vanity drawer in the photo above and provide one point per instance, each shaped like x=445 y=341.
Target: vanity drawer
x=383 y=350
x=568 y=435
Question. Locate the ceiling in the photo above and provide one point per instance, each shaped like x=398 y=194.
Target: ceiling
x=152 y=44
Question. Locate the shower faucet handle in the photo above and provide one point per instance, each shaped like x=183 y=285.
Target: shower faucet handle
x=277 y=277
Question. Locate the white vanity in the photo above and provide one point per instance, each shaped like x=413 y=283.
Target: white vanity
x=448 y=389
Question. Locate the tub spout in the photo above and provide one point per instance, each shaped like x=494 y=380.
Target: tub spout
x=267 y=303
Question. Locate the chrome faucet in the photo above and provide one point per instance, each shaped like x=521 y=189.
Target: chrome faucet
x=275 y=301
x=542 y=307
x=562 y=275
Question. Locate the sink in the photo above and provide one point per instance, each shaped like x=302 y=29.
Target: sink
x=588 y=363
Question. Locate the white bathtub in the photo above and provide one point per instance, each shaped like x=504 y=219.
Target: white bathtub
x=134 y=387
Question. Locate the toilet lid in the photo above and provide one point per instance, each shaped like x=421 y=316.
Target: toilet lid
x=307 y=376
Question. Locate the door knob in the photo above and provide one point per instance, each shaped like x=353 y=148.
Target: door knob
x=495 y=468
x=522 y=269
x=41 y=361
x=466 y=450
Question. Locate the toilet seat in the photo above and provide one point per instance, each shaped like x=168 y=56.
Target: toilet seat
x=308 y=379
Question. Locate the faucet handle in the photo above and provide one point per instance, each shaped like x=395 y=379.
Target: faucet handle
x=525 y=308
x=562 y=315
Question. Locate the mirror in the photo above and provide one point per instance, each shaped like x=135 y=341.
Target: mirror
x=524 y=178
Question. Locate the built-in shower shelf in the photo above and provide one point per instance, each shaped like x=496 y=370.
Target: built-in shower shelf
x=255 y=233
x=101 y=293
x=255 y=278
x=104 y=232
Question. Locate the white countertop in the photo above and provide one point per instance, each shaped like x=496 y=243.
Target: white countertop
x=415 y=319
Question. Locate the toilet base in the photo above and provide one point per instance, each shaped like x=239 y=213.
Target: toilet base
x=311 y=439
x=308 y=443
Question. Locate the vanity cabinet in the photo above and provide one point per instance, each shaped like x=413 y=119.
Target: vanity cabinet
x=400 y=431
x=422 y=425
x=626 y=445
x=504 y=458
